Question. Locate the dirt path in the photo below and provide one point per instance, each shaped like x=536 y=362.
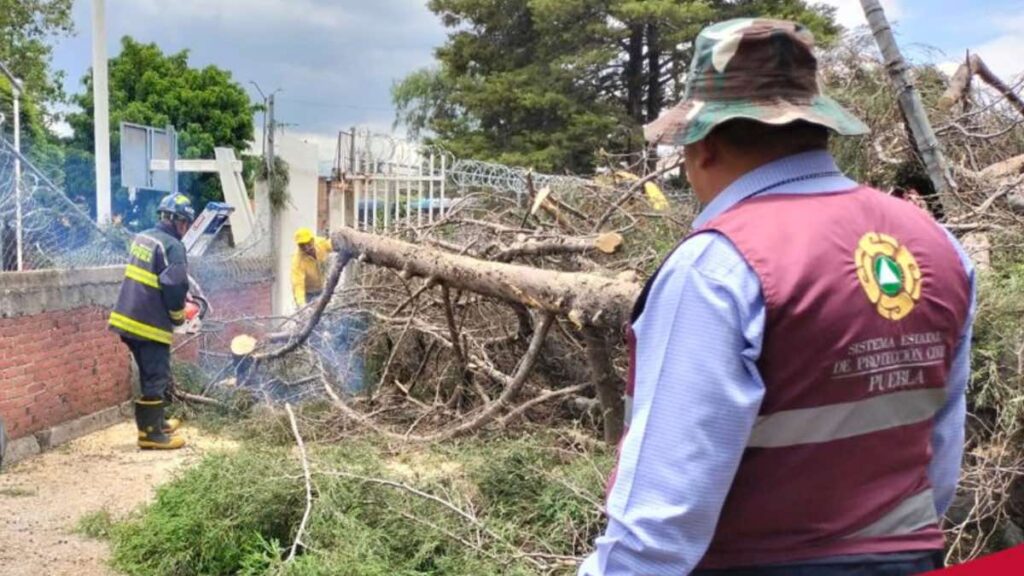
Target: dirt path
x=42 y=498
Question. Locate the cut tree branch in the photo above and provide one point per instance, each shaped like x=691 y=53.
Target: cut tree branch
x=606 y=243
x=978 y=67
x=309 y=483
x=297 y=339
x=607 y=384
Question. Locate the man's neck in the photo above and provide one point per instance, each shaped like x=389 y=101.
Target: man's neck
x=169 y=228
x=737 y=167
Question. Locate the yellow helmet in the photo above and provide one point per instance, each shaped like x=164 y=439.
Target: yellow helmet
x=303 y=236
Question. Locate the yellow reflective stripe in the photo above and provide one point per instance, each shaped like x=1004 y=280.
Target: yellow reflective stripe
x=177 y=314
x=141 y=276
x=139 y=329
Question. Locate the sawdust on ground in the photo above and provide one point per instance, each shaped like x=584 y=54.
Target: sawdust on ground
x=43 y=497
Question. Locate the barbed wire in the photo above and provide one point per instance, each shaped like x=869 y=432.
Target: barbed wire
x=56 y=233
x=371 y=152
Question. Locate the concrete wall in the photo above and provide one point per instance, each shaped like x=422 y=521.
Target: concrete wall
x=303 y=184
x=58 y=360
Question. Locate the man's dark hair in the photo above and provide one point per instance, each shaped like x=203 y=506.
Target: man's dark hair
x=748 y=135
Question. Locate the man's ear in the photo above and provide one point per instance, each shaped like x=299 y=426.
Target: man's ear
x=709 y=152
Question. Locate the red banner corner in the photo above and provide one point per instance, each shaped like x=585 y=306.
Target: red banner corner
x=1010 y=562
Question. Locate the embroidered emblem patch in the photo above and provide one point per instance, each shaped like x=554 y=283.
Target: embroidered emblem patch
x=889 y=275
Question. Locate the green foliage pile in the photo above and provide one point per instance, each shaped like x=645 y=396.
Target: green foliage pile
x=237 y=513
x=998 y=345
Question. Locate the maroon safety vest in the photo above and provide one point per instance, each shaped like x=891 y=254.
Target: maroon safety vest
x=865 y=299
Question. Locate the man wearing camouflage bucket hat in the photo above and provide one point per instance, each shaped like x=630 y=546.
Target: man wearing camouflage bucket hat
x=795 y=401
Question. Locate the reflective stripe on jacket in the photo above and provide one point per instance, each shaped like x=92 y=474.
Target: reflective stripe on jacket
x=309 y=273
x=152 y=297
x=865 y=302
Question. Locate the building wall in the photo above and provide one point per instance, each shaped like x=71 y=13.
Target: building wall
x=303 y=182
x=58 y=360
x=323 y=205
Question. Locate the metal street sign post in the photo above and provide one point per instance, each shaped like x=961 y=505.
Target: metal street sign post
x=140 y=145
x=149 y=159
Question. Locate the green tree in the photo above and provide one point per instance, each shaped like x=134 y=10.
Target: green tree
x=27 y=28
x=549 y=82
x=206 y=107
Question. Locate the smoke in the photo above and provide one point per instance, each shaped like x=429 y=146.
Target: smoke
x=338 y=341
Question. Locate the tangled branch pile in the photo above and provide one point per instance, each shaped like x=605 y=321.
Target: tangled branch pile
x=501 y=310
x=507 y=312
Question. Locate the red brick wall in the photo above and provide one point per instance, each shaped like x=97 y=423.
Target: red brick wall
x=57 y=366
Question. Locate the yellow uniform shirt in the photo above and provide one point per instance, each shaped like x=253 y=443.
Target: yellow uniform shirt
x=308 y=273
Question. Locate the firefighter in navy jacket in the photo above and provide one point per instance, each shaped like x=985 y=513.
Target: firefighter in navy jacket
x=151 y=303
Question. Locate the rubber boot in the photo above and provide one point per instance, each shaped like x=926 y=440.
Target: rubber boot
x=149 y=417
x=171 y=425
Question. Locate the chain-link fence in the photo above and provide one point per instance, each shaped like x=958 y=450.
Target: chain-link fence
x=52 y=231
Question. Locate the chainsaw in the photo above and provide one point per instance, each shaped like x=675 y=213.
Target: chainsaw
x=196 y=308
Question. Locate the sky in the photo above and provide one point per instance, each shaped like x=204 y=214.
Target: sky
x=336 y=60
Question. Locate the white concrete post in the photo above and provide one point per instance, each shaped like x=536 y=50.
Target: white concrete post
x=101 y=114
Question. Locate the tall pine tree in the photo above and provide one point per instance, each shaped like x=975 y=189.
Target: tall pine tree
x=546 y=83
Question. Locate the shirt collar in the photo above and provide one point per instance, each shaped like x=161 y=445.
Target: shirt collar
x=779 y=177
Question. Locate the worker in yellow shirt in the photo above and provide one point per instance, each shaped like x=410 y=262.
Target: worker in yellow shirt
x=309 y=266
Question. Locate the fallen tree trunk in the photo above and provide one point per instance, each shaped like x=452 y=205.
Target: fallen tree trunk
x=587 y=299
x=1004 y=168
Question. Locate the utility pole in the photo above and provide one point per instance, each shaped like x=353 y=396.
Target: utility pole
x=910 y=102
x=270 y=136
x=101 y=111
x=269 y=126
x=263 y=143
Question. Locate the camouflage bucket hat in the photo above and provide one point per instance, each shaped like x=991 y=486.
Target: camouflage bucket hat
x=752 y=68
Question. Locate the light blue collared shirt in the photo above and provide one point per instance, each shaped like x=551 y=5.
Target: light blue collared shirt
x=698 y=390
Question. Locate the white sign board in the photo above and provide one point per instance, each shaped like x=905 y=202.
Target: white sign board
x=140 y=145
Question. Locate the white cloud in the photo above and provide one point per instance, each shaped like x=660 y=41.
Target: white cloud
x=61 y=128
x=1003 y=53
x=850 y=14
x=335 y=60
x=245 y=13
x=948 y=68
